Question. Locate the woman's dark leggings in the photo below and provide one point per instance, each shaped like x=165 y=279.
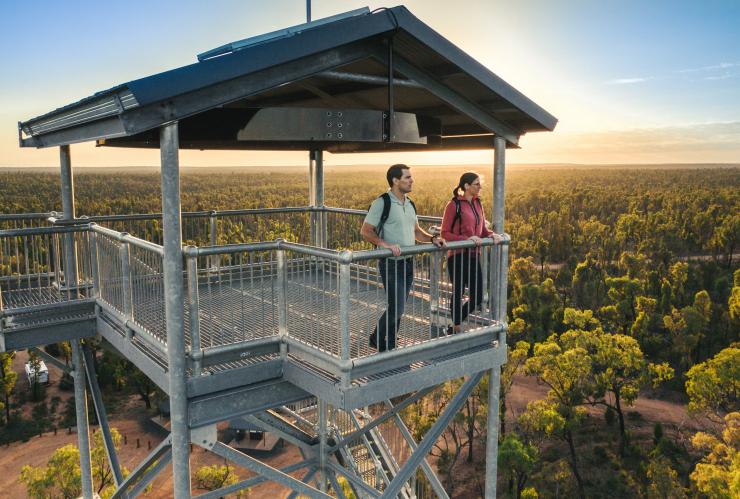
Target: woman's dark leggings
x=464 y=270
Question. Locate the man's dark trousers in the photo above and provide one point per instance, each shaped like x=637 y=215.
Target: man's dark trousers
x=397 y=277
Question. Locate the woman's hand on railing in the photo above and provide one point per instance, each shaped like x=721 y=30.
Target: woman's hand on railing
x=477 y=240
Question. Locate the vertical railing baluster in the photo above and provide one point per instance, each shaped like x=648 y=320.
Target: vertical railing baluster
x=124 y=252
x=282 y=299
x=94 y=265
x=194 y=307
x=344 y=324
x=213 y=225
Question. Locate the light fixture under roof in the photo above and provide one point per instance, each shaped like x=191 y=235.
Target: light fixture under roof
x=281 y=33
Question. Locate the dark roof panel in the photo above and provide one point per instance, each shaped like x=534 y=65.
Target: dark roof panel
x=437 y=81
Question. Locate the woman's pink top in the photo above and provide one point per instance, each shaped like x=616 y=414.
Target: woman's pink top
x=472 y=222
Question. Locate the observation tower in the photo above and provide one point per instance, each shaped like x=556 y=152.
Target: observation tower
x=273 y=331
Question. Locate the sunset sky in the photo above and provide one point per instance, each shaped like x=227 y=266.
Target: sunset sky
x=630 y=81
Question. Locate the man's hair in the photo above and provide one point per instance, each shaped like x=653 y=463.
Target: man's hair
x=395 y=171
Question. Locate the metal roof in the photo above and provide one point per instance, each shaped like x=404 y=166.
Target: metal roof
x=337 y=65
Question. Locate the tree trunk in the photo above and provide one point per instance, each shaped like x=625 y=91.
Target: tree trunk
x=574 y=464
x=502 y=414
x=471 y=430
x=622 y=432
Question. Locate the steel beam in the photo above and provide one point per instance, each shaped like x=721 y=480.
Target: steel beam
x=356 y=481
x=222 y=492
x=379 y=420
x=428 y=471
x=271 y=473
x=174 y=308
x=454 y=99
x=431 y=436
x=248 y=399
x=163 y=449
x=97 y=398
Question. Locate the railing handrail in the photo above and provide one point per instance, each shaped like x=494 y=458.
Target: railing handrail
x=33 y=231
x=128 y=238
x=23 y=216
x=416 y=249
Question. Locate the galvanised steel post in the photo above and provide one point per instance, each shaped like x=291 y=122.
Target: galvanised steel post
x=213 y=226
x=319 y=193
x=194 y=309
x=322 y=446
x=494 y=380
x=313 y=216
x=94 y=262
x=344 y=325
x=174 y=308
x=282 y=297
x=124 y=253
x=70 y=275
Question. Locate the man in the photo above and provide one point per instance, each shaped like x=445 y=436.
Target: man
x=401 y=228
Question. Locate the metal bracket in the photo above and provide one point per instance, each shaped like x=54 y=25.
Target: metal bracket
x=204 y=436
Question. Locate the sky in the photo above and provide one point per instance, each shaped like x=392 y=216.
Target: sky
x=630 y=81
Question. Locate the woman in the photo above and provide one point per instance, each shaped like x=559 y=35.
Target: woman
x=464 y=219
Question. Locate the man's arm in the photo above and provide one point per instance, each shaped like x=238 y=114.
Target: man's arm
x=368 y=233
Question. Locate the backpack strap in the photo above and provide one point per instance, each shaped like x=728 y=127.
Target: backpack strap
x=413 y=205
x=384 y=215
x=457 y=217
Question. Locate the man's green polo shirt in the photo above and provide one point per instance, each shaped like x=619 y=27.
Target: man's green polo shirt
x=400 y=228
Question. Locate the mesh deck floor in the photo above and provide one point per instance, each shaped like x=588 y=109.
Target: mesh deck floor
x=241 y=306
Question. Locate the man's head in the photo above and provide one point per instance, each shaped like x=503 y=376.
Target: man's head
x=399 y=176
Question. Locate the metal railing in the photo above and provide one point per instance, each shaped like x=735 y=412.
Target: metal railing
x=33 y=269
x=23 y=220
x=331 y=307
x=341 y=226
x=129 y=283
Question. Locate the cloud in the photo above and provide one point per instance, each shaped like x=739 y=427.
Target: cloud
x=719 y=77
x=714 y=67
x=628 y=81
x=716 y=142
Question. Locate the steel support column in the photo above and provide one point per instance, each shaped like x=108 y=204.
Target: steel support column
x=318 y=193
x=70 y=277
x=494 y=380
x=174 y=308
x=323 y=455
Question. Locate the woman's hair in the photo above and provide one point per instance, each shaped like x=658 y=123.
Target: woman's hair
x=465 y=178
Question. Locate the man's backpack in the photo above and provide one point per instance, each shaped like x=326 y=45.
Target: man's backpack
x=458 y=217
x=387 y=210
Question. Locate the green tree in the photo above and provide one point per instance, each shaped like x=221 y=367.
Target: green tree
x=663 y=482
x=516 y=358
x=589 y=288
x=517 y=459
x=713 y=386
x=60 y=477
x=215 y=477
x=8 y=378
x=567 y=372
x=717 y=476
x=618 y=368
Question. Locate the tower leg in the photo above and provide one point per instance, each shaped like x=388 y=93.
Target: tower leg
x=494 y=385
x=175 y=309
